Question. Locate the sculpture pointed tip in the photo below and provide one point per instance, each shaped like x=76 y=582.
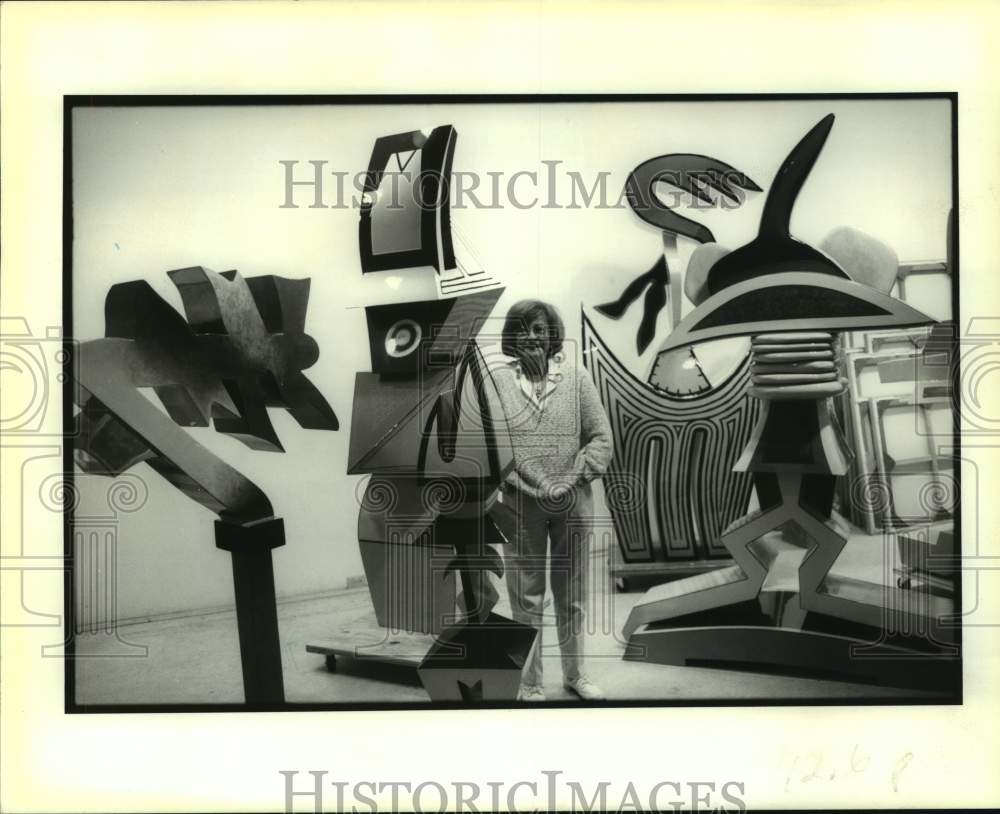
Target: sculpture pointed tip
x=791 y=176
x=823 y=127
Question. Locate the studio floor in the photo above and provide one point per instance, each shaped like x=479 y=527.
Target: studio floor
x=194 y=659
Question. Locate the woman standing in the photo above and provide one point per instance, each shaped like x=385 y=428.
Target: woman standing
x=562 y=441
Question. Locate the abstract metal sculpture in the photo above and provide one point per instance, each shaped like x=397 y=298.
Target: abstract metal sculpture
x=242 y=348
x=480 y=657
x=693 y=174
x=671 y=485
x=671 y=488
x=791 y=298
x=405 y=205
x=429 y=428
x=437 y=446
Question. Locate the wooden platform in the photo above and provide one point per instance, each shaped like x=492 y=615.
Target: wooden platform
x=363 y=639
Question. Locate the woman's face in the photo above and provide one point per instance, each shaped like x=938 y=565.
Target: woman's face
x=533 y=339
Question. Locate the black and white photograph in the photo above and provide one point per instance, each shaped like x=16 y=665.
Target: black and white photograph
x=506 y=402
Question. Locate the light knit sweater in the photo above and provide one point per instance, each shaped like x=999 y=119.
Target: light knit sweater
x=563 y=438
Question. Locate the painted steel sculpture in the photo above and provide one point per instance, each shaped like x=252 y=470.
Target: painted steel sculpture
x=793 y=299
x=671 y=485
x=242 y=348
x=671 y=488
x=695 y=175
x=429 y=429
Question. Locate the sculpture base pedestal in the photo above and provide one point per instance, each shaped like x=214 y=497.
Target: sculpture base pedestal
x=473 y=662
x=256 y=606
x=628 y=575
x=821 y=648
x=468 y=663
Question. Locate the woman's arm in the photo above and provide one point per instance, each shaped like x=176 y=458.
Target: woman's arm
x=595 y=431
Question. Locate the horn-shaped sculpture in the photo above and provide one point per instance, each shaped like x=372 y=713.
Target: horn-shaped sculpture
x=792 y=299
x=776 y=282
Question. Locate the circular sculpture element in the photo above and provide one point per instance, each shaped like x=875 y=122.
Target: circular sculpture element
x=403 y=338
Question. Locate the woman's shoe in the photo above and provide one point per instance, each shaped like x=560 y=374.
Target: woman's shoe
x=530 y=693
x=585 y=689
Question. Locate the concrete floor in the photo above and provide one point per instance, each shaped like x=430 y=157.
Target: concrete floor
x=195 y=660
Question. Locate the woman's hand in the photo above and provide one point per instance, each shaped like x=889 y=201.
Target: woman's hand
x=557 y=488
x=582 y=471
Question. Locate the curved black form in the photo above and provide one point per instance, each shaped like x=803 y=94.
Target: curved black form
x=691 y=173
x=655 y=283
x=774 y=221
x=774 y=250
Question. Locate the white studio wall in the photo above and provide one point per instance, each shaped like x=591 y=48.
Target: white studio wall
x=162 y=188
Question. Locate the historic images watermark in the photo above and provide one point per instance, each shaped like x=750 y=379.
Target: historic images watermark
x=36 y=365
x=315 y=184
x=550 y=791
